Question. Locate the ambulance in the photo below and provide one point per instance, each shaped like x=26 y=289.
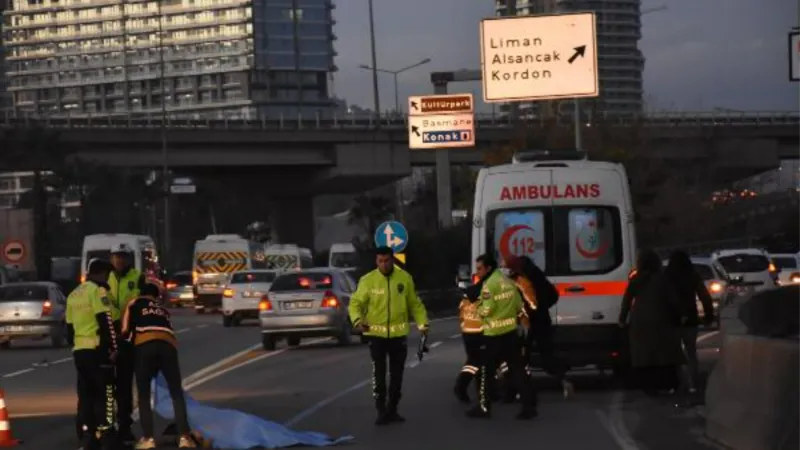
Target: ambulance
x=217 y=257
x=574 y=218
x=145 y=255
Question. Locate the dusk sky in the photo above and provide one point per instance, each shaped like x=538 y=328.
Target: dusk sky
x=701 y=54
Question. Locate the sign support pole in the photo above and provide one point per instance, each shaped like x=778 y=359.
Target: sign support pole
x=444 y=199
x=577 y=119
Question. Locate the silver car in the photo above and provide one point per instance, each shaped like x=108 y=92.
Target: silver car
x=307 y=303
x=32 y=310
x=180 y=289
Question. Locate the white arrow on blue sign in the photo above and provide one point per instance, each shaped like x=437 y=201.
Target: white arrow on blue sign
x=391 y=234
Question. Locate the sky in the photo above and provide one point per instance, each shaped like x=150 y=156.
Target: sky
x=701 y=54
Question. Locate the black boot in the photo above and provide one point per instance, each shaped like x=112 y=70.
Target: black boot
x=393 y=416
x=462 y=384
x=382 y=417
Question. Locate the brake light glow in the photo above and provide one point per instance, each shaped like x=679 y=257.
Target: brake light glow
x=715 y=287
x=265 y=304
x=795 y=277
x=329 y=300
x=475 y=278
x=772 y=268
x=194 y=277
x=171 y=285
x=227 y=293
x=304 y=282
x=326 y=280
x=47 y=307
x=83 y=278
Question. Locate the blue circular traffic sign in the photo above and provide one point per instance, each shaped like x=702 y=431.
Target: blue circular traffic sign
x=391 y=234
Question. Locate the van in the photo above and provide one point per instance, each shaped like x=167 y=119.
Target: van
x=216 y=258
x=574 y=218
x=145 y=255
x=287 y=257
x=343 y=256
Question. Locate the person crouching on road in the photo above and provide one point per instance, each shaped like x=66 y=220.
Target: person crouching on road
x=146 y=324
x=384 y=301
x=91 y=333
x=500 y=308
x=472 y=336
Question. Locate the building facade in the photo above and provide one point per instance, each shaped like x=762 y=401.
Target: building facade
x=13 y=185
x=621 y=63
x=185 y=58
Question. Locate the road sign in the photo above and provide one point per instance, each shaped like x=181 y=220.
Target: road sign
x=391 y=234
x=441 y=131
x=183 y=189
x=400 y=257
x=441 y=121
x=14 y=251
x=794 y=56
x=539 y=57
x=440 y=104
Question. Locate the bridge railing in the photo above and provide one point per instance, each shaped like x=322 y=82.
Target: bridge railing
x=392 y=122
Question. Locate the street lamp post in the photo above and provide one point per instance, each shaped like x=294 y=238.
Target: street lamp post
x=395 y=73
x=164 y=147
x=375 y=94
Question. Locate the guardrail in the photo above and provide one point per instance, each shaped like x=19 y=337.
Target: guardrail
x=394 y=122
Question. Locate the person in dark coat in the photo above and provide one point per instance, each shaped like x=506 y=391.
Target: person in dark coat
x=689 y=288
x=653 y=315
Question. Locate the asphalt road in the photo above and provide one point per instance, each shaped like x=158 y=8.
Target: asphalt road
x=325 y=388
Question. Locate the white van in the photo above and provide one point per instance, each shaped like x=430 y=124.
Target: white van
x=574 y=218
x=287 y=257
x=217 y=257
x=145 y=255
x=343 y=256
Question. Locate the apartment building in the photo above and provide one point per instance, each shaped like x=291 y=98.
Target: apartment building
x=14 y=184
x=621 y=63
x=184 y=58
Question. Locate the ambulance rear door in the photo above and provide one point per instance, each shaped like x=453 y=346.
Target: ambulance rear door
x=590 y=258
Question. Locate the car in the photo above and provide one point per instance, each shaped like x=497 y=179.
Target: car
x=180 y=289
x=241 y=296
x=788 y=266
x=749 y=267
x=307 y=303
x=32 y=310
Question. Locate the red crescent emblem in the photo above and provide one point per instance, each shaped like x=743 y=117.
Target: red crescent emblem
x=589 y=254
x=505 y=250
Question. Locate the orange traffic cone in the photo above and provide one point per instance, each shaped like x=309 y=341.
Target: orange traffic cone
x=6 y=439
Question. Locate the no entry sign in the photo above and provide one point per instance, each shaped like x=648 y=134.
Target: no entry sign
x=14 y=252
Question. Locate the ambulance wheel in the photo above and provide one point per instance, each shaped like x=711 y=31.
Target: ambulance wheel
x=268 y=342
x=293 y=341
x=227 y=321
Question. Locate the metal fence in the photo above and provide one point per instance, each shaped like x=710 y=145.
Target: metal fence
x=395 y=121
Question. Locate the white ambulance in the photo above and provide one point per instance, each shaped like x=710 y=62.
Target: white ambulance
x=145 y=255
x=574 y=218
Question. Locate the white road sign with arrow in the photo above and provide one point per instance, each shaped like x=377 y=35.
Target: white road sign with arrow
x=539 y=57
x=392 y=240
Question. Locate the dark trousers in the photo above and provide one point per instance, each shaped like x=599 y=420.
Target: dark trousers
x=95 y=394
x=124 y=380
x=395 y=350
x=472 y=366
x=505 y=348
x=151 y=358
x=539 y=339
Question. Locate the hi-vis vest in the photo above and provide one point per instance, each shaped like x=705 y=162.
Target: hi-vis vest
x=470 y=320
x=123 y=290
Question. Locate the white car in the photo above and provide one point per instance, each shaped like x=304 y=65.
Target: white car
x=788 y=266
x=751 y=266
x=241 y=296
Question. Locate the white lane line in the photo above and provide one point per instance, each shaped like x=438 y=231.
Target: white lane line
x=62 y=360
x=707 y=336
x=455 y=336
x=204 y=325
x=19 y=372
x=436 y=344
x=182 y=330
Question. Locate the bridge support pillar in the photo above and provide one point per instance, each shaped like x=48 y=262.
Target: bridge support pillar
x=293 y=220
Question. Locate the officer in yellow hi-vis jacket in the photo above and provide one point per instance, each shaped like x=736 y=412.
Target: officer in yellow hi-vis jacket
x=125 y=283
x=91 y=333
x=472 y=336
x=381 y=308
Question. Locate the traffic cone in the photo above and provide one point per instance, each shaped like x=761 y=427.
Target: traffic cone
x=6 y=439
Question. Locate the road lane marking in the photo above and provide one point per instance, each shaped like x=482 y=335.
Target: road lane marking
x=182 y=330
x=707 y=336
x=436 y=344
x=62 y=360
x=202 y=325
x=19 y=372
x=455 y=336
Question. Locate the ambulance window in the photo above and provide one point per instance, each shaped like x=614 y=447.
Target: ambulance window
x=520 y=232
x=594 y=240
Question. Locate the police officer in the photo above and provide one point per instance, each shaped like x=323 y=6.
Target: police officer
x=147 y=325
x=91 y=333
x=472 y=336
x=125 y=284
x=500 y=308
x=381 y=307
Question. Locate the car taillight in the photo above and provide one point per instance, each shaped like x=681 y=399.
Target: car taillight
x=475 y=278
x=715 y=287
x=228 y=293
x=772 y=268
x=265 y=304
x=194 y=277
x=83 y=278
x=329 y=300
x=47 y=307
x=794 y=277
x=171 y=285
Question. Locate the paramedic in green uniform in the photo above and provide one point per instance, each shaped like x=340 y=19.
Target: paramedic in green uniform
x=125 y=284
x=91 y=333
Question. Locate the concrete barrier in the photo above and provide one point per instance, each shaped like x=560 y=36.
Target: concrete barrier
x=753 y=394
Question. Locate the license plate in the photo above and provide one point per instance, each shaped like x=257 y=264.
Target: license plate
x=298 y=305
x=14 y=328
x=187 y=295
x=252 y=294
